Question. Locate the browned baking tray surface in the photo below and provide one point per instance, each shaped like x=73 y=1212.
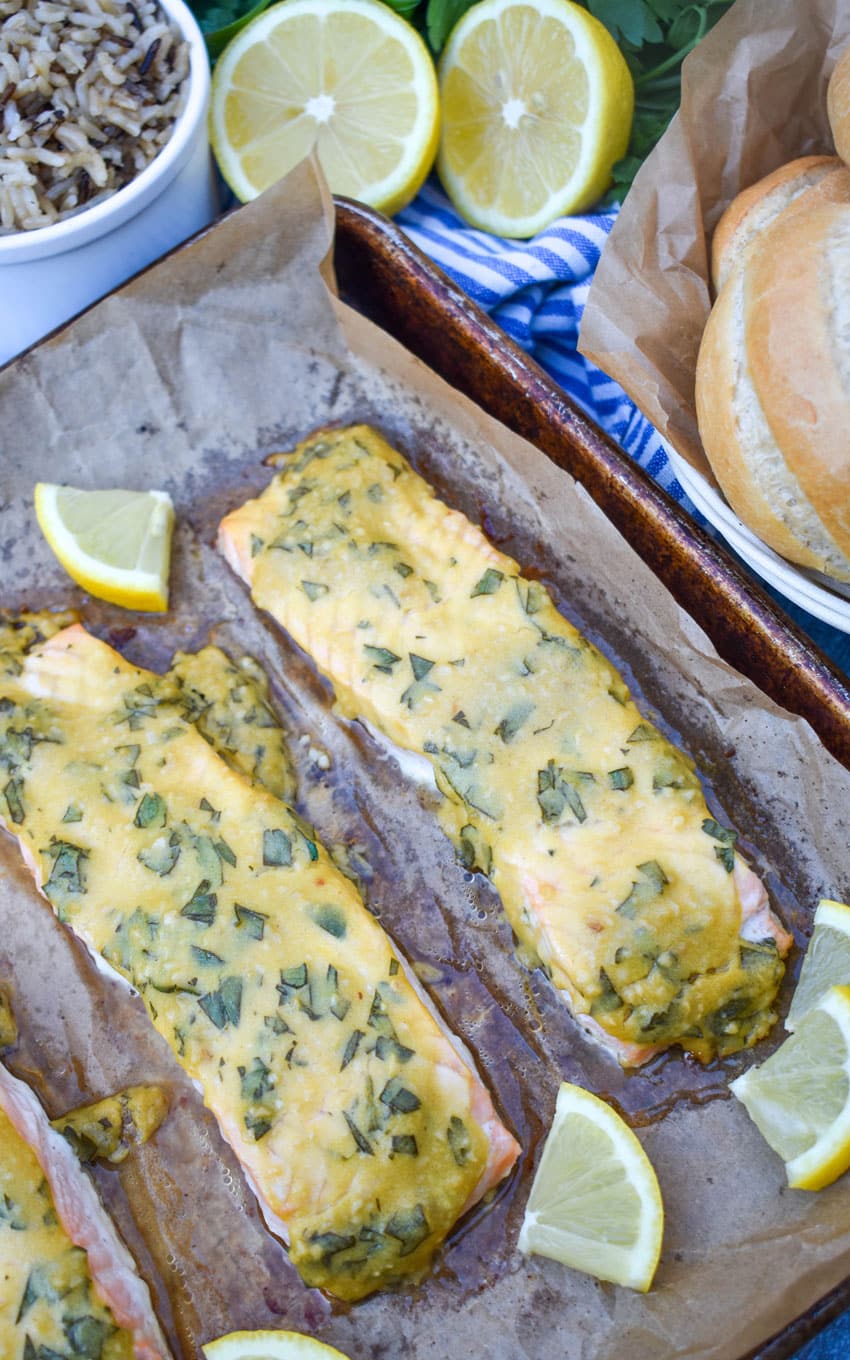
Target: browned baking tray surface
x=386 y=277
x=383 y=274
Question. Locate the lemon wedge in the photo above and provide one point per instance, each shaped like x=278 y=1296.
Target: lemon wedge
x=827 y=961
x=537 y=106
x=799 y=1099
x=269 y=1346
x=595 y=1202
x=348 y=77
x=115 y=544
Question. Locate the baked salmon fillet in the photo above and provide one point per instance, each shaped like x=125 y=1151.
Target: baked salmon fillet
x=360 y=1121
x=592 y=826
x=68 y=1286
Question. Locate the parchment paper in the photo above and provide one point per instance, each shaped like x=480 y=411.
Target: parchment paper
x=753 y=98
x=185 y=380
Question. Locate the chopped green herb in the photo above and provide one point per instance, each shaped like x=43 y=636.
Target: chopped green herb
x=643 y=732
x=151 y=811
x=621 y=779
x=66 y=874
x=386 y=1048
x=256 y=1081
x=201 y=906
x=72 y=813
x=257 y=544
x=162 y=856
x=224 y=852
x=258 y=1125
x=651 y=884
x=459 y=1140
x=382 y=658
x=205 y=957
x=253 y=922
x=360 y=1138
x=314 y=590
x=330 y=918
x=277 y=849
x=488 y=584
x=475 y=853
x=410 y=1227
x=224 y=1006
x=13 y=793
x=352 y=1044
x=398 y=1098
x=513 y=720
x=404 y=1145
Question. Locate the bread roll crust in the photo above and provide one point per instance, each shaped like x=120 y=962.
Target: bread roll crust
x=773 y=389
x=720 y=386
x=838 y=105
x=798 y=347
x=795 y=187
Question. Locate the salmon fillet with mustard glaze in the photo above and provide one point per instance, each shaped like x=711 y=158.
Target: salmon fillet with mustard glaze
x=592 y=826
x=359 y=1119
x=68 y=1286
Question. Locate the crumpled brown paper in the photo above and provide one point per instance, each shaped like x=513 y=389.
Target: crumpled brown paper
x=753 y=97
x=185 y=380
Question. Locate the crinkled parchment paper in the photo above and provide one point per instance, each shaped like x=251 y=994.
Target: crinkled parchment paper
x=753 y=97
x=186 y=379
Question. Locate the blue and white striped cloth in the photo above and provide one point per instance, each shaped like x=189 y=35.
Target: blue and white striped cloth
x=537 y=290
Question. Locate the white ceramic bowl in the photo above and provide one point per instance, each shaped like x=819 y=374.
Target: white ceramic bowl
x=48 y=275
x=826 y=600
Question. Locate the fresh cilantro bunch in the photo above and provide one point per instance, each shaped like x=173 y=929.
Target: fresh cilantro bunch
x=654 y=36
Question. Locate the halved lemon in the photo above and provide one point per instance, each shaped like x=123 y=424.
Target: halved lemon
x=115 y=544
x=800 y=1097
x=269 y=1346
x=537 y=104
x=595 y=1203
x=348 y=77
x=827 y=961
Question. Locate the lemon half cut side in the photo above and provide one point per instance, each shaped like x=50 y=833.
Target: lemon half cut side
x=595 y=1203
x=537 y=105
x=269 y=1346
x=348 y=77
x=115 y=544
x=799 y=1098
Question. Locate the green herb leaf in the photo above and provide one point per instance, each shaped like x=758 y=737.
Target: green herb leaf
x=398 y=1098
x=382 y=658
x=621 y=779
x=330 y=918
x=489 y=583
x=151 y=811
x=314 y=590
x=201 y=906
x=650 y=885
x=277 y=849
x=252 y=922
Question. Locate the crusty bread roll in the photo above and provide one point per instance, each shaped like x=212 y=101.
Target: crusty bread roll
x=838 y=105
x=794 y=187
x=773 y=388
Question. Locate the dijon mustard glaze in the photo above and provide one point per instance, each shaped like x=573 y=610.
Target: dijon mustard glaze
x=591 y=825
x=359 y=1124
x=49 y=1305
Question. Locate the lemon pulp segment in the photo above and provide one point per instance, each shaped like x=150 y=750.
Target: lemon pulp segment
x=827 y=960
x=799 y=1099
x=116 y=544
x=347 y=77
x=595 y=1203
x=537 y=104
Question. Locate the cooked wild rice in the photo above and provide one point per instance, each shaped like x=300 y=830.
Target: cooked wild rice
x=89 y=92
